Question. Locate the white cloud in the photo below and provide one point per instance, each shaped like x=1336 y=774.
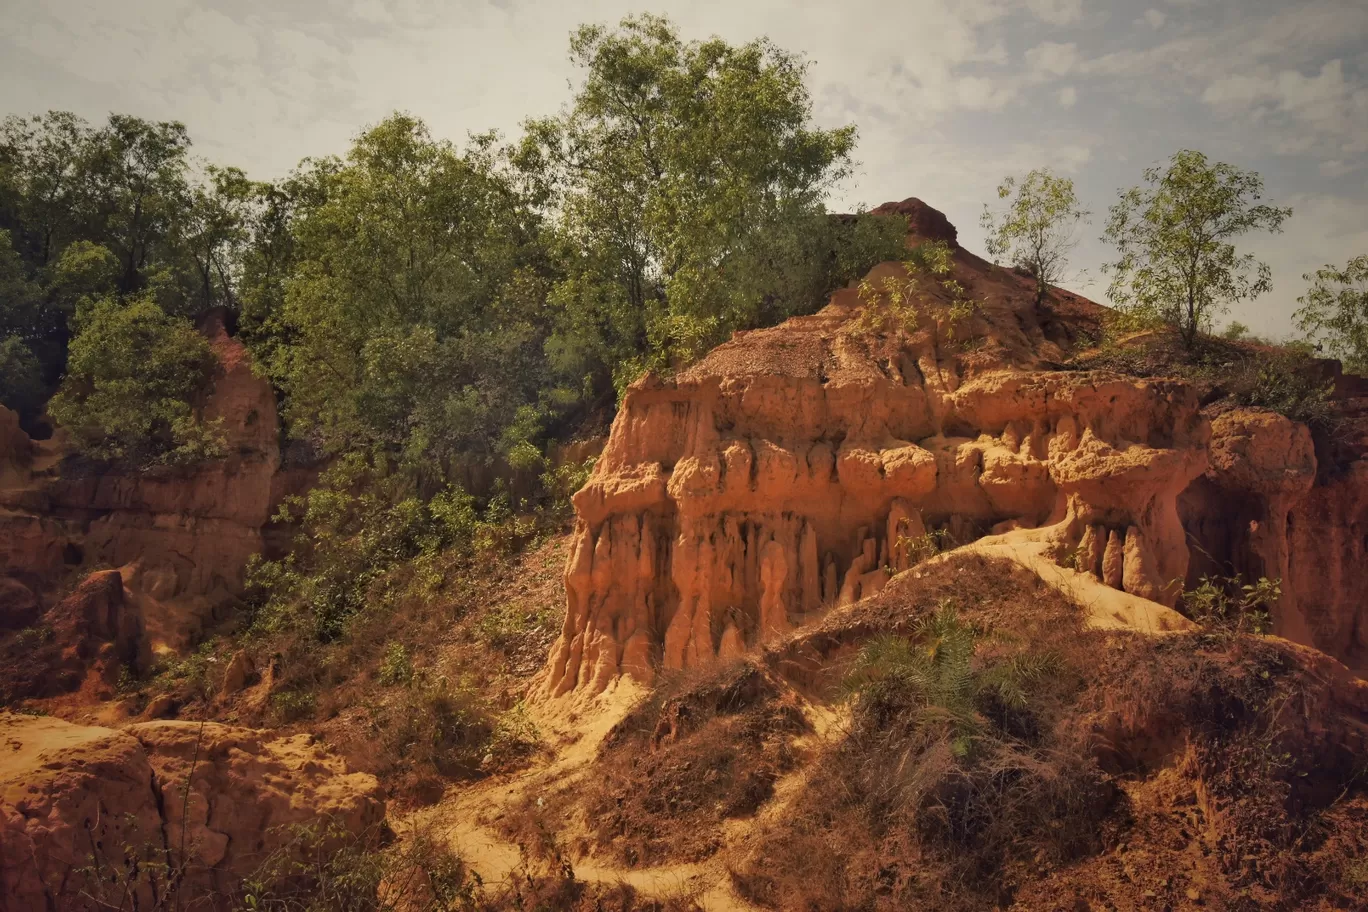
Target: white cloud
x=1068 y=96
x=1153 y=17
x=1057 y=12
x=1052 y=59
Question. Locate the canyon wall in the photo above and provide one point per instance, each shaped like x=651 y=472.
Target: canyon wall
x=795 y=468
x=162 y=814
x=179 y=536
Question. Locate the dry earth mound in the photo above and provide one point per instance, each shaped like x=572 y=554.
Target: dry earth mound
x=160 y=814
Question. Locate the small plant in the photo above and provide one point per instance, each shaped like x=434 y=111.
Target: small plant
x=902 y=302
x=32 y=637
x=292 y=705
x=934 y=672
x=395 y=665
x=925 y=546
x=1230 y=605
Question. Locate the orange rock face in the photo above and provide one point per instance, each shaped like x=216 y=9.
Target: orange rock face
x=796 y=467
x=77 y=799
x=180 y=537
x=1268 y=507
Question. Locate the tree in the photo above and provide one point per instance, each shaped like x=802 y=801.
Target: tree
x=1334 y=311
x=135 y=378
x=137 y=177
x=687 y=182
x=21 y=382
x=214 y=232
x=1036 y=232
x=414 y=305
x=1176 y=260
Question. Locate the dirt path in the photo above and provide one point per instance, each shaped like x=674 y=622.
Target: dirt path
x=464 y=816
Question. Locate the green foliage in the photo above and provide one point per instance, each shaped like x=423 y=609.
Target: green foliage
x=1334 y=310
x=903 y=302
x=925 y=546
x=687 y=181
x=1173 y=239
x=412 y=314
x=1290 y=384
x=1037 y=230
x=1230 y=605
x=934 y=673
x=292 y=705
x=1235 y=331
x=395 y=665
x=356 y=525
x=21 y=381
x=134 y=379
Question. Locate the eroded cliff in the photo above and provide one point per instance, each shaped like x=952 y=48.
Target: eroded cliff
x=795 y=468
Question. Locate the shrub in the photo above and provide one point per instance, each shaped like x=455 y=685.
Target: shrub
x=135 y=377
x=395 y=666
x=21 y=381
x=902 y=302
x=1230 y=605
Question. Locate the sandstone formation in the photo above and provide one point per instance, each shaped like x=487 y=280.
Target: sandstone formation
x=1270 y=506
x=79 y=803
x=179 y=536
x=796 y=467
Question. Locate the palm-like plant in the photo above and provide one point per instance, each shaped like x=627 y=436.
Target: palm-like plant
x=934 y=672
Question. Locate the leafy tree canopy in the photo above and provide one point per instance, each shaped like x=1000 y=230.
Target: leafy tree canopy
x=687 y=181
x=403 y=306
x=133 y=380
x=1334 y=311
x=1175 y=260
x=1037 y=231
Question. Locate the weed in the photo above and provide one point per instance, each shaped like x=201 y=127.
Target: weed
x=901 y=302
x=1229 y=605
x=395 y=666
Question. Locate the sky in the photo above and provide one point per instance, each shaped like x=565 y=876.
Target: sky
x=949 y=96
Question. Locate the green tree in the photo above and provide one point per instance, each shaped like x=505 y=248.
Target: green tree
x=687 y=181
x=42 y=182
x=21 y=381
x=1037 y=231
x=135 y=188
x=215 y=231
x=413 y=311
x=1175 y=260
x=135 y=378
x=1334 y=311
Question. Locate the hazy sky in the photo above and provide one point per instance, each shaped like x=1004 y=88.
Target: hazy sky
x=949 y=95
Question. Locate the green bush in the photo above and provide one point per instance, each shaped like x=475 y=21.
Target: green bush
x=135 y=377
x=21 y=381
x=1230 y=605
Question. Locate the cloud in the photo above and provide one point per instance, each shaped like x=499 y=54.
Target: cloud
x=1057 y=12
x=1154 y=18
x=1052 y=59
x=1068 y=96
x=1335 y=108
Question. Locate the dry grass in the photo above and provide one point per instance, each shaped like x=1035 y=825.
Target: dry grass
x=1147 y=772
x=704 y=748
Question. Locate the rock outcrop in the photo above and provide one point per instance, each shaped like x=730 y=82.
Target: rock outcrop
x=1269 y=507
x=91 y=815
x=180 y=537
x=797 y=467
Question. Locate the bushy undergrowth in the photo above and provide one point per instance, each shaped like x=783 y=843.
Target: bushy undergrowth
x=1001 y=754
x=1231 y=605
x=1286 y=379
x=704 y=748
